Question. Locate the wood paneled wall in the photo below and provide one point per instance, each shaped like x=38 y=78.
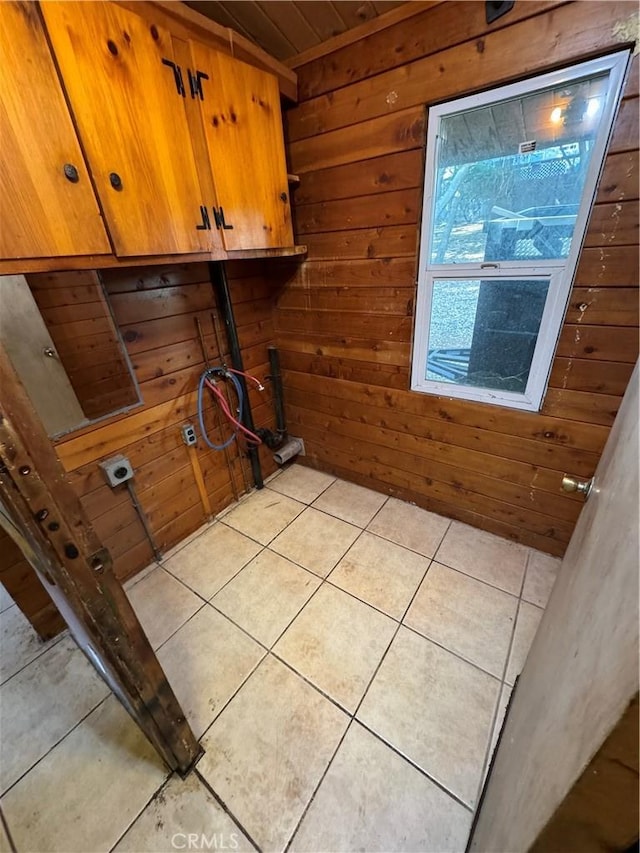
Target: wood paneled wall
x=20 y=580
x=155 y=309
x=345 y=317
x=77 y=316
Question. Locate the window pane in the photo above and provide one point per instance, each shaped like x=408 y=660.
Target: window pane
x=483 y=332
x=510 y=176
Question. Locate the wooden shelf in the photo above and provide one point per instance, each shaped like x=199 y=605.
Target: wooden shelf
x=289 y=252
x=95 y=262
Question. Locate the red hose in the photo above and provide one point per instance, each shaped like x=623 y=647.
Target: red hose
x=222 y=402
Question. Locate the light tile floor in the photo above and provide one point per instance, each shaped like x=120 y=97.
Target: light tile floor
x=346 y=660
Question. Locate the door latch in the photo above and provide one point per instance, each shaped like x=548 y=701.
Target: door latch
x=572 y=484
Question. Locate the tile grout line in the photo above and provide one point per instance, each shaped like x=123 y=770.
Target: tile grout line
x=303 y=568
x=7 y=832
x=334 y=479
x=268 y=651
x=154 y=796
x=195 y=770
x=416 y=766
x=317 y=787
x=488 y=751
x=226 y=704
x=54 y=642
x=58 y=742
x=328 y=581
x=226 y=809
x=353 y=715
x=399 y=623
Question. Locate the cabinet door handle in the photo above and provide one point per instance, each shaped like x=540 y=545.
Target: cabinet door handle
x=177 y=76
x=195 y=83
x=218 y=215
x=206 y=222
x=71 y=173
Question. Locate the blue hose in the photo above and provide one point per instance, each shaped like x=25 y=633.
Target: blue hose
x=238 y=387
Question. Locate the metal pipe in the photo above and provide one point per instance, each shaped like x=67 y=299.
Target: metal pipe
x=223 y=362
x=218 y=277
x=292 y=448
x=157 y=553
x=276 y=380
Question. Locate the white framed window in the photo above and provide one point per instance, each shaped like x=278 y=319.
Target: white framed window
x=510 y=180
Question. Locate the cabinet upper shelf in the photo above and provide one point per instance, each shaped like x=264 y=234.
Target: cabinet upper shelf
x=155 y=144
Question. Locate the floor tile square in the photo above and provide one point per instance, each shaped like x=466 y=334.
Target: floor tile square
x=315 y=540
x=206 y=661
x=170 y=552
x=381 y=573
x=43 y=702
x=372 y=799
x=351 y=503
x=465 y=616
x=526 y=626
x=162 y=605
x=410 y=526
x=19 y=643
x=267 y=751
x=181 y=808
x=266 y=595
x=337 y=642
x=141 y=575
x=86 y=792
x=434 y=708
x=301 y=483
x=484 y=556
x=206 y=564
x=542 y=570
x=263 y=515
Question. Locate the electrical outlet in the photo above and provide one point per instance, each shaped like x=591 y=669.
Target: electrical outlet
x=189 y=435
x=117 y=470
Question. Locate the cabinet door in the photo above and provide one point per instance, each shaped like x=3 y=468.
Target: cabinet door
x=43 y=213
x=131 y=119
x=243 y=127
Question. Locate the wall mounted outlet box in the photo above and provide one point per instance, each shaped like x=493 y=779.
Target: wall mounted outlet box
x=189 y=435
x=117 y=470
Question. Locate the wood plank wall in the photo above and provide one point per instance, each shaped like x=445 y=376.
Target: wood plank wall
x=344 y=318
x=155 y=309
x=77 y=316
x=28 y=593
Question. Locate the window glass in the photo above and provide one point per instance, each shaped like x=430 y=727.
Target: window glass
x=510 y=175
x=483 y=333
x=510 y=179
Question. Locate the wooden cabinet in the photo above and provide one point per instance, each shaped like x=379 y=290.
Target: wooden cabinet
x=242 y=122
x=45 y=211
x=124 y=89
x=184 y=145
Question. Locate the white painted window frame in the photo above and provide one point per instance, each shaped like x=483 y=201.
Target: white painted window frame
x=560 y=273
